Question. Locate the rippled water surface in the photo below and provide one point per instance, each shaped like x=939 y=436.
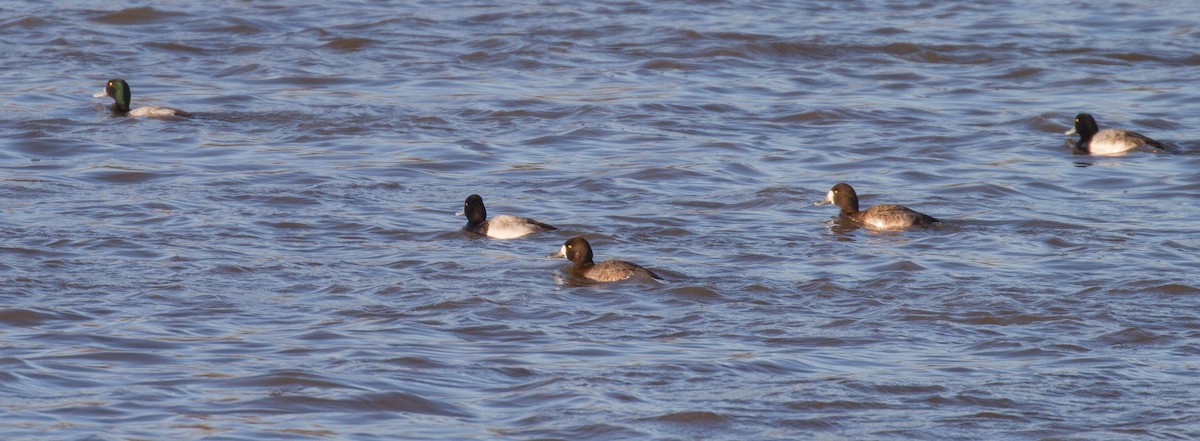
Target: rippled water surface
x=286 y=264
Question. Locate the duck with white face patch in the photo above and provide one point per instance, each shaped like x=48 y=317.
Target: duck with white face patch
x=118 y=90
x=579 y=252
x=882 y=217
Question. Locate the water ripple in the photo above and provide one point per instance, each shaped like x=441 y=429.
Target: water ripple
x=286 y=264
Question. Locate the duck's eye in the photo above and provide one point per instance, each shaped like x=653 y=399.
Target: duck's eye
x=110 y=83
x=570 y=246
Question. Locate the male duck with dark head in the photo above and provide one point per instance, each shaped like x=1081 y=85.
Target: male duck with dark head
x=1108 y=141
x=499 y=227
x=118 y=89
x=579 y=252
x=882 y=217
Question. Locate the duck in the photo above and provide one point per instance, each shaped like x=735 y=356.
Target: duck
x=579 y=252
x=1108 y=141
x=881 y=217
x=118 y=89
x=500 y=227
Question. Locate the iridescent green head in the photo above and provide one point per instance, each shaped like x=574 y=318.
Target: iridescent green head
x=118 y=89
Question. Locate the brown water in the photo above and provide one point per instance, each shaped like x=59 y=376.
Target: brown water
x=286 y=265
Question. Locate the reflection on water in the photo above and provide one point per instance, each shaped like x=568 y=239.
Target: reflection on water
x=284 y=264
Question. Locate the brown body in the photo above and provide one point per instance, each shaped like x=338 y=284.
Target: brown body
x=579 y=252
x=883 y=217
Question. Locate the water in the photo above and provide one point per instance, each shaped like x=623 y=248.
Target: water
x=285 y=265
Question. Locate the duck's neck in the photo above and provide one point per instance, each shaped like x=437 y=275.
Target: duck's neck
x=120 y=99
x=476 y=220
x=850 y=208
x=1085 y=141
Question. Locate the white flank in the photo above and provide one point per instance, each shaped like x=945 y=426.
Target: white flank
x=152 y=111
x=508 y=227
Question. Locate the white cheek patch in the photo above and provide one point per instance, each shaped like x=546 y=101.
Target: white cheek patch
x=562 y=251
x=829 y=197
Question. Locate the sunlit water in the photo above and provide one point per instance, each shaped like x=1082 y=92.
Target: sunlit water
x=286 y=264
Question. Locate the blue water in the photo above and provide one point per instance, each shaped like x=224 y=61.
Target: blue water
x=286 y=264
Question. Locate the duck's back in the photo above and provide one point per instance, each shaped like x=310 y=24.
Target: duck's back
x=157 y=111
x=1113 y=141
x=894 y=217
x=614 y=270
x=511 y=227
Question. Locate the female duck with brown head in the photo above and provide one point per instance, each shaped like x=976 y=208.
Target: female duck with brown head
x=579 y=252
x=883 y=217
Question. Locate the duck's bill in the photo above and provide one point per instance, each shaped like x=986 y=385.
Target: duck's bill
x=562 y=252
x=828 y=199
x=101 y=94
x=460 y=213
x=1070 y=132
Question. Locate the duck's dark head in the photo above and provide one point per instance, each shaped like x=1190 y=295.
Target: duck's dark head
x=575 y=249
x=842 y=195
x=1085 y=126
x=474 y=210
x=118 y=89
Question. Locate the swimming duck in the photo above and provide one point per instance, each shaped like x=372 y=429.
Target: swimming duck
x=579 y=252
x=1107 y=141
x=883 y=217
x=118 y=89
x=499 y=227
